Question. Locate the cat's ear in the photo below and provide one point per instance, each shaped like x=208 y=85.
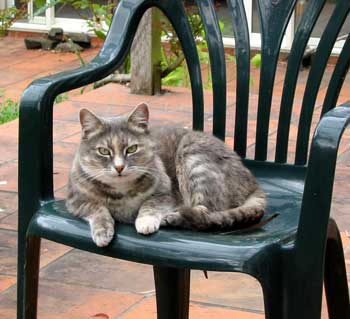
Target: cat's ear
x=90 y=123
x=138 y=118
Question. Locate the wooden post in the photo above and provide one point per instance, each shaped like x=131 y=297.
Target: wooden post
x=145 y=55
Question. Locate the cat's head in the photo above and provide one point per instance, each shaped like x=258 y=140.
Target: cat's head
x=116 y=149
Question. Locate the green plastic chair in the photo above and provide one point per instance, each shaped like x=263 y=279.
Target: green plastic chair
x=292 y=255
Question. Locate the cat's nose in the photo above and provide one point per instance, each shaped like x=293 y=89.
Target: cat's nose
x=119 y=168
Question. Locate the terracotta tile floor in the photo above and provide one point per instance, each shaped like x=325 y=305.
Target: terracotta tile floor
x=78 y=285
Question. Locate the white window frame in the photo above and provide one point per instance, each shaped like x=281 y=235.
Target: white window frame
x=2 y=4
x=255 y=38
x=45 y=23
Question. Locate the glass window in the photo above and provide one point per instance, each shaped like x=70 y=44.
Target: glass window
x=225 y=17
x=38 y=6
x=255 y=18
x=66 y=10
x=323 y=18
x=223 y=14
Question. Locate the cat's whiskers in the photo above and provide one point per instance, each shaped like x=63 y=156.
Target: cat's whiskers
x=142 y=169
x=92 y=174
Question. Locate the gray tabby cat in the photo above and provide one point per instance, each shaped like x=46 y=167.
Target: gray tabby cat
x=127 y=173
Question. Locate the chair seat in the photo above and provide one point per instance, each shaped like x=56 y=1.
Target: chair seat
x=221 y=251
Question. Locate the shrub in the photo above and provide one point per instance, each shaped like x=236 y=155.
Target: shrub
x=9 y=110
x=8 y=16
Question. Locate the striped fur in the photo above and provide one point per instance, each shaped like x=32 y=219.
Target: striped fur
x=199 y=217
x=176 y=177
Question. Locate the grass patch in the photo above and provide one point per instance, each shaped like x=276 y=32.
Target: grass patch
x=9 y=110
x=61 y=98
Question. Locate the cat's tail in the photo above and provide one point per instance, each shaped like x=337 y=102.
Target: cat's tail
x=198 y=217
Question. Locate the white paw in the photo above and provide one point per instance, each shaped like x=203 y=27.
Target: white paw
x=147 y=225
x=103 y=236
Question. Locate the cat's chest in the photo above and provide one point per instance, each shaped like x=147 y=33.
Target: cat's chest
x=125 y=203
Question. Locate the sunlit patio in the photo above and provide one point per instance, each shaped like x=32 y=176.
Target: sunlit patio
x=79 y=285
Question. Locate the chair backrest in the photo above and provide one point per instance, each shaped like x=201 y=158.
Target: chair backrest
x=274 y=16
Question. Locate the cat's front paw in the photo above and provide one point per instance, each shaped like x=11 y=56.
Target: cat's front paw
x=102 y=236
x=147 y=225
x=172 y=219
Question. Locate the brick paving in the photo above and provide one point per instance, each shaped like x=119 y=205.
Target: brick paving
x=78 y=285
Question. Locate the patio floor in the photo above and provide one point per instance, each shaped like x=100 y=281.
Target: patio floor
x=79 y=285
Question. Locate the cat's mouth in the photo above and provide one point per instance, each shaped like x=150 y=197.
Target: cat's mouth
x=125 y=176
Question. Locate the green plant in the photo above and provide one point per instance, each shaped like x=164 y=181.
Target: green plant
x=98 y=16
x=99 y=19
x=8 y=16
x=173 y=65
x=256 y=60
x=61 y=98
x=8 y=111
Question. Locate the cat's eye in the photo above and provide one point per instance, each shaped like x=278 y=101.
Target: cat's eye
x=104 y=151
x=131 y=149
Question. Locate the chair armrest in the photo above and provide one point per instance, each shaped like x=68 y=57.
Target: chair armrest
x=317 y=198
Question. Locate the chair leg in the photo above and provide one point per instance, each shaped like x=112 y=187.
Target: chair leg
x=172 y=292
x=290 y=298
x=273 y=301
x=28 y=277
x=336 y=286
